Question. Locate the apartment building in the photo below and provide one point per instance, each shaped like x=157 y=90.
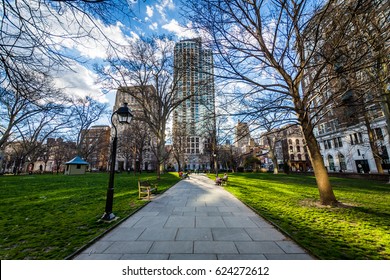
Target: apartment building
x=194 y=130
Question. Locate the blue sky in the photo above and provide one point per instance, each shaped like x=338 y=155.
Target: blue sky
x=156 y=17
x=160 y=17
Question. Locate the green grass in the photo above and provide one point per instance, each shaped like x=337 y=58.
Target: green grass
x=52 y=216
x=359 y=231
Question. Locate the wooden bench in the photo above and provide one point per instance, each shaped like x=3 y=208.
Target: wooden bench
x=224 y=180
x=146 y=188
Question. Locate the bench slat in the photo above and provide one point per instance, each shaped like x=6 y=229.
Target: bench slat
x=146 y=188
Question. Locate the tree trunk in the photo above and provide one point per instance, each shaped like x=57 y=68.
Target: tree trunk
x=160 y=156
x=327 y=196
x=135 y=164
x=373 y=146
x=272 y=155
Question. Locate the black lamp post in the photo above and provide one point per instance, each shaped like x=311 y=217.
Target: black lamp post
x=124 y=116
x=216 y=164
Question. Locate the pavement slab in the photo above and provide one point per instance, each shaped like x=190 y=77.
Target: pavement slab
x=194 y=220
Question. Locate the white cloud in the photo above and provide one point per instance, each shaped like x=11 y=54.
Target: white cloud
x=93 y=39
x=80 y=83
x=161 y=8
x=149 y=11
x=153 y=26
x=180 y=31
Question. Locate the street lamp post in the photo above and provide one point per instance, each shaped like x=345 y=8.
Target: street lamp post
x=124 y=116
x=216 y=164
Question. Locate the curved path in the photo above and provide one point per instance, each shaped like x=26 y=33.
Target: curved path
x=195 y=219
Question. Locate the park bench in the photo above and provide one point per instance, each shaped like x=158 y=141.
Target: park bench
x=146 y=188
x=224 y=180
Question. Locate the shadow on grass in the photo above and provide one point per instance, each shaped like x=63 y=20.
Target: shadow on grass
x=356 y=229
x=52 y=216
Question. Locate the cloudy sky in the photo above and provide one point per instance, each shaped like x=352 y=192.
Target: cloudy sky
x=152 y=17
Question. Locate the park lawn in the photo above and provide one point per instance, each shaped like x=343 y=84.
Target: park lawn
x=52 y=216
x=359 y=231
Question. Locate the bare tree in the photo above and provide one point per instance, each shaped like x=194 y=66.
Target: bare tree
x=84 y=113
x=31 y=32
x=371 y=27
x=146 y=66
x=272 y=134
x=268 y=46
x=33 y=132
x=357 y=72
x=22 y=104
x=179 y=146
x=133 y=144
x=33 y=35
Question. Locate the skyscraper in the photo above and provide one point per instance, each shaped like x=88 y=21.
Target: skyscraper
x=194 y=120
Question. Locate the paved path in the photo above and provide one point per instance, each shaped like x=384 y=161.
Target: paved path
x=194 y=219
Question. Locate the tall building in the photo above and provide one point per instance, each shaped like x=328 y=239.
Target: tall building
x=194 y=131
x=135 y=140
x=242 y=135
x=350 y=113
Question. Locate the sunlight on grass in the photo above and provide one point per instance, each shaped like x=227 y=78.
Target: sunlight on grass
x=51 y=216
x=360 y=230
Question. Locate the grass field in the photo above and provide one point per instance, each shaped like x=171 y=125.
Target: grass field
x=360 y=230
x=51 y=216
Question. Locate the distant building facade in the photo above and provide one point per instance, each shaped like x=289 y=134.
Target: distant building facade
x=242 y=135
x=49 y=157
x=291 y=151
x=96 y=144
x=135 y=140
x=350 y=103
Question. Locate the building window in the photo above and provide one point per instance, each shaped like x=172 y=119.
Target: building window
x=78 y=166
x=335 y=142
x=331 y=163
x=297 y=142
x=384 y=154
x=355 y=137
x=328 y=144
x=299 y=157
x=343 y=165
x=298 y=149
x=340 y=141
x=292 y=157
x=378 y=133
x=360 y=137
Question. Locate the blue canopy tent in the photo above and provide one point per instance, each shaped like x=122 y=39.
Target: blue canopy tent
x=76 y=166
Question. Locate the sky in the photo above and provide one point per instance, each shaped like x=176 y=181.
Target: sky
x=151 y=17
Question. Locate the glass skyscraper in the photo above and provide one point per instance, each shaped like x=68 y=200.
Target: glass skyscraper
x=194 y=119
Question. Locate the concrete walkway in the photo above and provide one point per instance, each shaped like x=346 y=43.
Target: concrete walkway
x=195 y=219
